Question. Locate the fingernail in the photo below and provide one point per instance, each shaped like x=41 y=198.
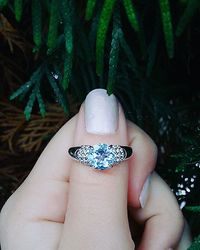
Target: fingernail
x=170 y=248
x=101 y=112
x=145 y=192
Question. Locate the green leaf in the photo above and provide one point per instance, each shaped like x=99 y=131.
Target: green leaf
x=180 y=168
x=58 y=93
x=3 y=3
x=41 y=103
x=129 y=54
x=152 y=49
x=195 y=209
x=131 y=14
x=37 y=22
x=53 y=25
x=114 y=59
x=103 y=25
x=67 y=70
x=192 y=7
x=31 y=101
x=23 y=89
x=18 y=8
x=167 y=26
x=67 y=16
x=36 y=77
x=90 y=9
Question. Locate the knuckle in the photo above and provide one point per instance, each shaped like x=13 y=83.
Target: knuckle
x=4 y=215
x=7 y=213
x=150 y=145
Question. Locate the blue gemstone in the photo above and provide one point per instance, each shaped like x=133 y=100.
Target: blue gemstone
x=101 y=157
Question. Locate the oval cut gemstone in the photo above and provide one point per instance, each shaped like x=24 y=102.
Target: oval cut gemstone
x=101 y=157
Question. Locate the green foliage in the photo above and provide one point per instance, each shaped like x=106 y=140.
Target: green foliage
x=3 y=3
x=103 y=26
x=189 y=162
x=67 y=70
x=32 y=98
x=167 y=26
x=67 y=17
x=89 y=9
x=129 y=54
x=18 y=7
x=35 y=84
x=53 y=25
x=41 y=103
x=195 y=245
x=152 y=49
x=194 y=209
x=192 y=7
x=55 y=33
x=37 y=22
x=57 y=91
x=131 y=14
x=191 y=155
x=114 y=55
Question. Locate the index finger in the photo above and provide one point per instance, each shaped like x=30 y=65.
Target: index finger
x=54 y=162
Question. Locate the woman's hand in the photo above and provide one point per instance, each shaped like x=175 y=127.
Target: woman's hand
x=64 y=205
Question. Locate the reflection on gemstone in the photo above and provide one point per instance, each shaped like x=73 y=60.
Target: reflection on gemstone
x=101 y=157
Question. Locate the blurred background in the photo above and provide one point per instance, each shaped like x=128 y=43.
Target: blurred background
x=53 y=52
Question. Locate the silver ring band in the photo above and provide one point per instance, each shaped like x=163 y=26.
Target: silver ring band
x=100 y=156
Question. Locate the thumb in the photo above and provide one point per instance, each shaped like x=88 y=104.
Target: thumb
x=97 y=204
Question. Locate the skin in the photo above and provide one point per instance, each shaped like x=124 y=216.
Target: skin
x=64 y=205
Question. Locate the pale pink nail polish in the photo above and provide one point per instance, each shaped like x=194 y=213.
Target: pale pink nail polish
x=101 y=112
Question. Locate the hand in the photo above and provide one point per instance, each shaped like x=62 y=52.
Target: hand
x=68 y=206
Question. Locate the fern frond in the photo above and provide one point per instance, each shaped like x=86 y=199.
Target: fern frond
x=18 y=8
x=23 y=89
x=41 y=103
x=89 y=9
x=114 y=58
x=129 y=54
x=167 y=26
x=37 y=22
x=131 y=14
x=36 y=77
x=103 y=25
x=58 y=93
x=152 y=49
x=192 y=7
x=67 y=16
x=67 y=70
x=31 y=101
x=53 y=25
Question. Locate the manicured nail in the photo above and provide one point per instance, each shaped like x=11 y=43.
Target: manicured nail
x=145 y=192
x=101 y=112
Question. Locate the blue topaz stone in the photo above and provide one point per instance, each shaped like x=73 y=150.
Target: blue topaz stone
x=101 y=157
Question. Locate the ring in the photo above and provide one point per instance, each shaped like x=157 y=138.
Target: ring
x=100 y=156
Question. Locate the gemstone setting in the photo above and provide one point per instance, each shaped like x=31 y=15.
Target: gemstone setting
x=101 y=156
